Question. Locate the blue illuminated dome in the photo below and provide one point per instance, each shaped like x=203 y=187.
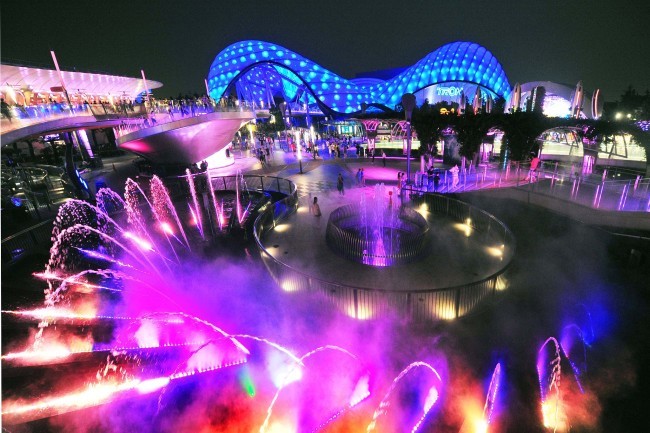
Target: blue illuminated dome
x=261 y=70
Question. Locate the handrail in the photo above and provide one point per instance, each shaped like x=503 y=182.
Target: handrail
x=149 y=115
x=27 y=230
x=177 y=185
x=26 y=242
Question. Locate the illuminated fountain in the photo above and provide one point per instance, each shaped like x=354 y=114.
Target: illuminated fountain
x=561 y=400
x=378 y=233
x=114 y=346
x=105 y=336
x=492 y=394
x=477 y=421
x=427 y=396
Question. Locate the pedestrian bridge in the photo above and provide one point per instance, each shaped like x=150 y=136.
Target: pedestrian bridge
x=164 y=136
x=186 y=140
x=24 y=129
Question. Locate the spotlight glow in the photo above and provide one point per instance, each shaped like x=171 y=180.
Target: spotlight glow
x=281 y=228
x=142 y=243
x=361 y=390
x=151 y=385
x=166 y=228
x=495 y=251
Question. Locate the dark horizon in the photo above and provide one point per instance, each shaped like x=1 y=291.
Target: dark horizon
x=175 y=44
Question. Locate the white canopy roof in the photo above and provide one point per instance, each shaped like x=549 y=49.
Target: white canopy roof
x=45 y=80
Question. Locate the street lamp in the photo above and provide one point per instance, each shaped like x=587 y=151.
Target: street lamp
x=408 y=102
x=283 y=108
x=299 y=149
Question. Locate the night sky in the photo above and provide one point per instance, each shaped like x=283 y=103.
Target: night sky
x=603 y=43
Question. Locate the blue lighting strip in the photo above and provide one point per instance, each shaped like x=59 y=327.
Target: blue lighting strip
x=247 y=62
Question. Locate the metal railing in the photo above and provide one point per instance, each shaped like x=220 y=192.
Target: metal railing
x=178 y=186
x=36 y=188
x=161 y=114
x=417 y=305
x=147 y=114
x=562 y=181
x=623 y=195
x=26 y=242
x=38 y=237
x=612 y=189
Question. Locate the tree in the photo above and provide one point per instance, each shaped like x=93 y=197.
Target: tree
x=642 y=138
x=429 y=125
x=521 y=130
x=470 y=130
x=274 y=124
x=499 y=105
x=601 y=130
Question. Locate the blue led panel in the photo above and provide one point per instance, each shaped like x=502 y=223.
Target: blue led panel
x=258 y=67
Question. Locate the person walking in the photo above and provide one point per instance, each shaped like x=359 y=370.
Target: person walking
x=383 y=158
x=339 y=184
x=532 y=173
x=454 y=176
x=314 y=209
x=363 y=178
x=5 y=109
x=359 y=177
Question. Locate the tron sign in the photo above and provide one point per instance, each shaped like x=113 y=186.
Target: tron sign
x=449 y=91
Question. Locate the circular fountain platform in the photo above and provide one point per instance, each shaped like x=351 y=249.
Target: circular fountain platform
x=462 y=253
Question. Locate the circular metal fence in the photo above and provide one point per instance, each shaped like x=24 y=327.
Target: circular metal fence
x=385 y=238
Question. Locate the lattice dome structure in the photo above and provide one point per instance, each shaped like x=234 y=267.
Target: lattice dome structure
x=262 y=70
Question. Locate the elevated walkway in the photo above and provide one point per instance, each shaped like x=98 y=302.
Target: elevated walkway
x=187 y=140
x=22 y=129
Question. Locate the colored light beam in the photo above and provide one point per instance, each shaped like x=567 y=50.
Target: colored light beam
x=142 y=243
x=246 y=381
x=62 y=313
x=492 y=393
x=14 y=412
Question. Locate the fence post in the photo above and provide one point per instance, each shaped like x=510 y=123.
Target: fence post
x=409 y=305
x=33 y=237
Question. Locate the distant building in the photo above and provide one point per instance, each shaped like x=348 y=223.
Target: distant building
x=260 y=72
